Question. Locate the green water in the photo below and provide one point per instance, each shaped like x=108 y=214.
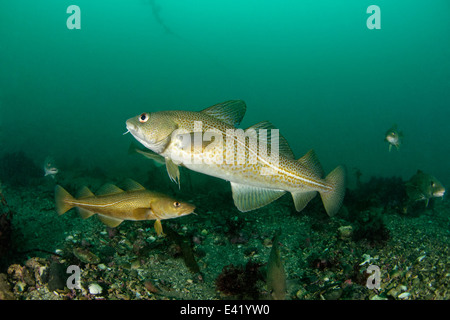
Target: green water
x=313 y=68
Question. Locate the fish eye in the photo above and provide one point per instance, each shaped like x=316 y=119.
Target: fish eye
x=143 y=117
x=432 y=184
x=176 y=204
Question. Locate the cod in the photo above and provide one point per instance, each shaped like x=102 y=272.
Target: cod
x=114 y=205
x=209 y=142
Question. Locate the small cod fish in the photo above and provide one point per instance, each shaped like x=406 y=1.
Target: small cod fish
x=393 y=137
x=423 y=186
x=49 y=167
x=165 y=133
x=276 y=276
x=114 y=205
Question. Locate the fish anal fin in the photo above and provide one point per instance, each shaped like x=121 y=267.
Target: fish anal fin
x=84 y=213
x=108 y=189
x=301 y=199
x=248 y=198
x=230 y=112
x=109 y=221
x=173 y=171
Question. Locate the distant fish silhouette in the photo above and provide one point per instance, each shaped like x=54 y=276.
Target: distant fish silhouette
x=156 y=10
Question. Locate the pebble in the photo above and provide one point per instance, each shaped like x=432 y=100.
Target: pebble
x=404 y=295
x=95 y=288
x=101 y=266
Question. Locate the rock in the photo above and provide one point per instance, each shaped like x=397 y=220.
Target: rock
x=345 y=232
x=85 y=256
x=5 y=288
x=333 y=294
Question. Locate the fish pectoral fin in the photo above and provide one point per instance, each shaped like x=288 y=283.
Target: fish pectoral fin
x=301 y=199
x=173 y=171
x=109 y=221
x=84 y=213
x=248 y=198
x=108 y=189
x=158 y=228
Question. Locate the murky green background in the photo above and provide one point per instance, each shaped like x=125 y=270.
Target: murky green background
x=313 y=68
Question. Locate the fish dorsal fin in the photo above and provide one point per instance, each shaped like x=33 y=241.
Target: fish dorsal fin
x=108 y=189
x=109 y=221
x=173 y=171
x=230 y=112
x=131 y=185
x=283 y=145
x=310 y=161
x=84 y=193
x=248 y=198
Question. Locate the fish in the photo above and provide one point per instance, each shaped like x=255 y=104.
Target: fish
x=276 y=276
x=49 y=167
x=209 y=142
x=157 y=159
x=393 y=137
x=114 y=205
x=423 y=186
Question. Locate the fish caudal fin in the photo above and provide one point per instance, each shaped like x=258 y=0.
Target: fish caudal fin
x=62 y=200
x=332 y=200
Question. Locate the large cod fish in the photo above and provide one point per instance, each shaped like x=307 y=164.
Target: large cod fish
x=208 y=142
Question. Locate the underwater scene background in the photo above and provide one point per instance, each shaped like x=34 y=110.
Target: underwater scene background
x=315 y=69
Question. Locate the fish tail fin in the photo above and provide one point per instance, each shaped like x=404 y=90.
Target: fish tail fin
x=332 y=200
x=62 y=200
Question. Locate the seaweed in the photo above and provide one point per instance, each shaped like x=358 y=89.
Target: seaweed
x=369 y=226
x=17 y=169
x=185 y=246
x=239 y=281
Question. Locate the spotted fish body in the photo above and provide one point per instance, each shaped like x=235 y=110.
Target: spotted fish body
x=114 y=205
x=208 y=142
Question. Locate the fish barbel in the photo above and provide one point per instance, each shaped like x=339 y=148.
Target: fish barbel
x=114 y=205
x=208 y=142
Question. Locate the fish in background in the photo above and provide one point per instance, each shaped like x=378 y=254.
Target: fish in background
x=165 y=133
x=49 y=167
x=423 y=186
x=114 y=205
x=393 y=137
x=276 y=276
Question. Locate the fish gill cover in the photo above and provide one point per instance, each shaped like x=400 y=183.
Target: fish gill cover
x=333 y=76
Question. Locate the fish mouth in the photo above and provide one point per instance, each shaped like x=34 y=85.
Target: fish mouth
x=439 y=193
x=136 y=133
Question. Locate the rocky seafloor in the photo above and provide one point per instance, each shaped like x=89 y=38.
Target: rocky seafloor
x=221 y=253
